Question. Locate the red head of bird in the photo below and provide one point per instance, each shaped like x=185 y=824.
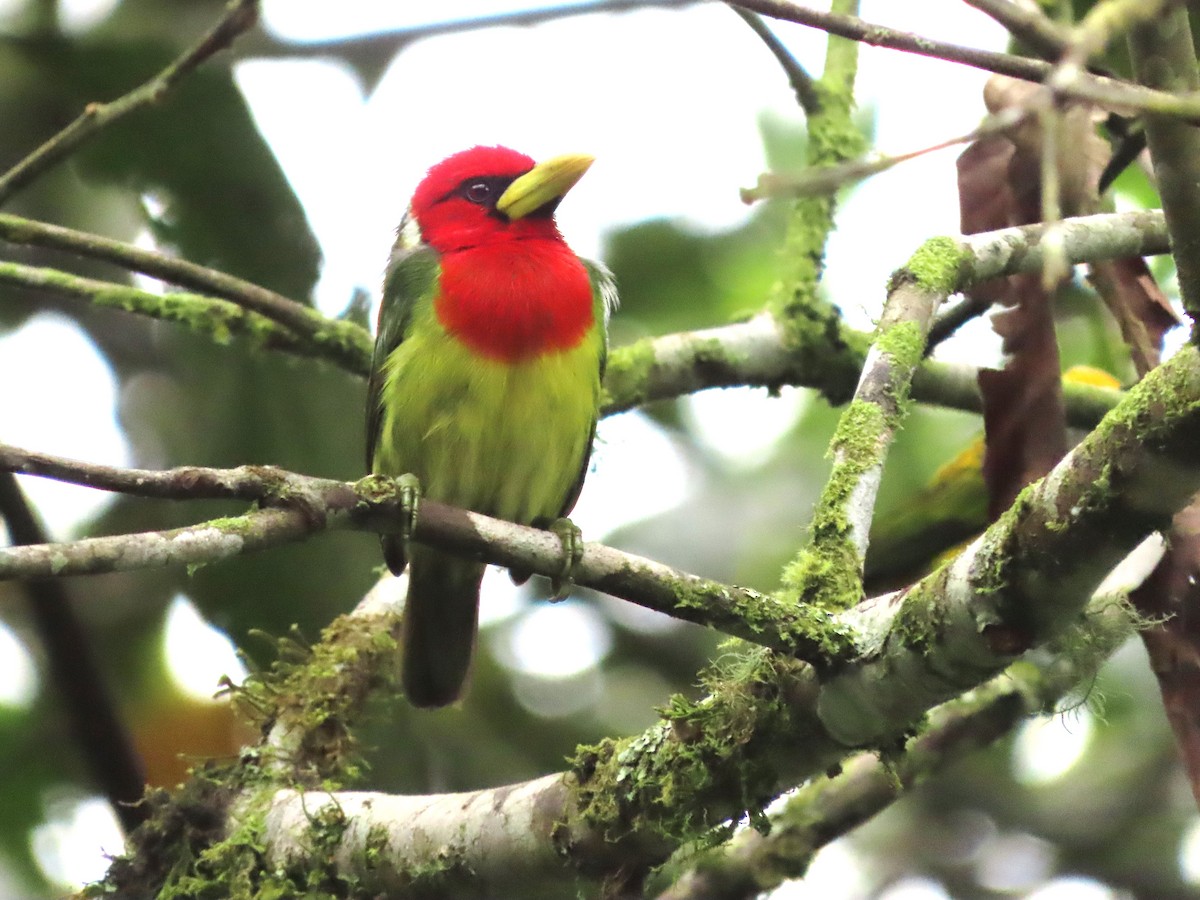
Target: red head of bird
x=492 y=194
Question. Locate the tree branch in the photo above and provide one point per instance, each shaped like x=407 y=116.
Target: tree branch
x=828 y=572
x=217 y=319
x=802 y=83
x=1163 y=56
x=345 y=343
x=1027 y=24
x=240 y=16
x=800 y=345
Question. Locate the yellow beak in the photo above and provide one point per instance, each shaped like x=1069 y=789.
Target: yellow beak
x=544 y=183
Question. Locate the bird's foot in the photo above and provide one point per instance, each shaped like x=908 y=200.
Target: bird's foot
x=572 y=542
x=408 y=490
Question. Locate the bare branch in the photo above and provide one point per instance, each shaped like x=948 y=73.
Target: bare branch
x=1110 y=93
x=101 y=737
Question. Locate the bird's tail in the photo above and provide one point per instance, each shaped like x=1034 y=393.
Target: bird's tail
x=440 y=619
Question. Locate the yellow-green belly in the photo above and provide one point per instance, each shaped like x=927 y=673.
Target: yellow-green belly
x=502 y=438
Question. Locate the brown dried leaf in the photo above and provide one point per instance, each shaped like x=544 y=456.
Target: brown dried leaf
x=1024 y=418
x=999 y=181
x=1138 y=304
x=1081 y=152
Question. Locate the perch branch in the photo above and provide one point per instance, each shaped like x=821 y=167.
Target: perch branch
x=303 y=505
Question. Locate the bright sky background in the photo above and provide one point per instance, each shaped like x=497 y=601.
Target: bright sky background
x=668 y=101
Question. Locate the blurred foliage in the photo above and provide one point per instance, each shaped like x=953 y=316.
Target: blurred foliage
x=195 y=172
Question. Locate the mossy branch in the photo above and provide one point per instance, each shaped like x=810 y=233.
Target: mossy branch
x=828 y=572
x=829 y=806
x=294 y=507
x=217 y=319
x=345 y=343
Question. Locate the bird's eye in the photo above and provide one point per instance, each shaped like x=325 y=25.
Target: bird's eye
x=479 y=192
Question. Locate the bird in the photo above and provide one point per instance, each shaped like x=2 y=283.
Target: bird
x=485 y=381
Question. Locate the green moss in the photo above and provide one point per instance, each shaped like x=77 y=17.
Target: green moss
x=316 y=692
x=376 y=848
x=703 y=766
x=627 y=375
x=711 y=354
x=375 y=489
x=919 y=620
x=311 y=695
x=828 y=572
x=238 y=525
x=349 y=341
x=218 y=319
x=832 y=133
x=801 y=631
x=904 y=343
x=937 y=266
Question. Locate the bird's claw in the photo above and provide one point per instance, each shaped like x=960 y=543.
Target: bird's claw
x=408 y=489
x=572 y=542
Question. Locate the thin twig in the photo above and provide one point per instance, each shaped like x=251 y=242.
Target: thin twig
x=384 y=44
x=240 y=16
x=952 y=318
x=830 y=179
x=101 y=736
x=1111 y=93
x=346 y=338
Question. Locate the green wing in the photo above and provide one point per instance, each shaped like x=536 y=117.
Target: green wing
x=411 y=274
x=604 y=299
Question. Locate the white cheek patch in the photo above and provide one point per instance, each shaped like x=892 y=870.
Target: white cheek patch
x=408 y=235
